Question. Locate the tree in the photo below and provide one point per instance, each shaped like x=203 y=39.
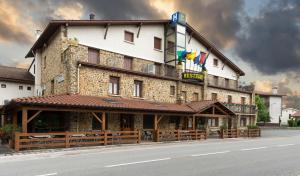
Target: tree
x=262 y=114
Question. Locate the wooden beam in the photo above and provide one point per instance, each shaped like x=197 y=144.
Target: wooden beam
x=103 y=118
x=212 y=115
x=221 y=110
x=32 y=117
x=138 y=33
x=95 y=115
x=214 y=110
x=106 y=29
x=24 y=120
x=158 y=120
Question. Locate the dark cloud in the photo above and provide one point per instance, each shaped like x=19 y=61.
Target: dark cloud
x=272 y=41
x=218 y=20
x=122 y=9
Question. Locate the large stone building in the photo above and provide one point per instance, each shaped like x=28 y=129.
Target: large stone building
x=128 y=69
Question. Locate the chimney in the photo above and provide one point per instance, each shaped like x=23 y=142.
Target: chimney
x=92 y=16
x=275 y=90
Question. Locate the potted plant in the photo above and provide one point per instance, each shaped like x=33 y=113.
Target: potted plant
x=7 y=133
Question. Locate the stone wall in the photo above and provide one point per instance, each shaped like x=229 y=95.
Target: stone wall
x=80 y=122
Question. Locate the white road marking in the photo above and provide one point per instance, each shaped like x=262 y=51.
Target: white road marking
x=138 y=162
x=285 y=145
x=205 y=154
x=257 y=148
x=47 y=174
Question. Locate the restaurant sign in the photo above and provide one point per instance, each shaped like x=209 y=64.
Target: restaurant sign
x=195 y=76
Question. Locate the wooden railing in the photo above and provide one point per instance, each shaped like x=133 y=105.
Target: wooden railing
x=73 y=139
x=178 y=135
x=235 y=133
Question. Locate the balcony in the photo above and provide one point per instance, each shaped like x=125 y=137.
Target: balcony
x=242 y=109
x=239 y=87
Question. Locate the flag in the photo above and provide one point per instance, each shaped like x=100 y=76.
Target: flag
x=197 y=59
x=202 y=58
x=203 y=65
x=181 y=55
x=191 y=55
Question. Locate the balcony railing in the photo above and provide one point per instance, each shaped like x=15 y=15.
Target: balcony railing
x=239 y=108
x=249 y=88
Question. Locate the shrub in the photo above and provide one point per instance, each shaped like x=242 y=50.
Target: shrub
x=293 y=122
x=252 y=127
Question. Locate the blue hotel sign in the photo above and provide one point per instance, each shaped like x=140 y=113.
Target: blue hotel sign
x=178 y=17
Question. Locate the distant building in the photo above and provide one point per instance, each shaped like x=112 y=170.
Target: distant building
x=273 y=102
x=14 y=83
x=287 y=113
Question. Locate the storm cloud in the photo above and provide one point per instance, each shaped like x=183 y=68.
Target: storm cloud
x=272 y=41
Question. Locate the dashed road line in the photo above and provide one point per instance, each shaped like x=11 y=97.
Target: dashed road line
x=214 y=153
x=256 y=148
x=285 y=145
x=47 y=174
x=137 y=162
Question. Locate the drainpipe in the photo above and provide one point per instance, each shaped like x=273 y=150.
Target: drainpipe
x=78 y=83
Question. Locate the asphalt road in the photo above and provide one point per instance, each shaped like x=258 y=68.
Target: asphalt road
x=266 y=156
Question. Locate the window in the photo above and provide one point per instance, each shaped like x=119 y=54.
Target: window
x=28 y=88
x=52 y=86
x=213 y=122
x=137 y=92
x=216 y=62
x=195 y=96
x=157 y=68
x=157 y=43
x=3 y=85
x=183 y=93
x=214 y=96
x=226 y=83
x=114 y=85
x=128 y=36
x=45 y=62
x=127 y=63
x=148 y=122
x=243 y=122
x=20 y=87
x=243 y=100
x=170 y=70
x=172 y=90
x=216 y=80
x=93 y=56
x=229 y=99
x=171 y=47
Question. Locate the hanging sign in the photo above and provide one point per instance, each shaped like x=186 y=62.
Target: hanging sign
x=195 y=76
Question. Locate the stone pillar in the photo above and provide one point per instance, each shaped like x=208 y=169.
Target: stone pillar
x=205 y=83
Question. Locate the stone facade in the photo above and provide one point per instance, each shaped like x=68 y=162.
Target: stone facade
x=222 y=95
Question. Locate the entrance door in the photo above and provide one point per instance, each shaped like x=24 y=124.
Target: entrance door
x=126 y=123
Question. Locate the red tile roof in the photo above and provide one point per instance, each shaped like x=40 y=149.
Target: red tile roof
x=18 y=75
x=115 y=103
x=296 y=114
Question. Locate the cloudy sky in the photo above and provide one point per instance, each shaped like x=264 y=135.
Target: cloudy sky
x=260 y=36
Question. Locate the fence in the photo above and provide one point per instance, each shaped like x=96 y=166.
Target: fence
x=73 y=139
x=235 y=133
x=178 y=135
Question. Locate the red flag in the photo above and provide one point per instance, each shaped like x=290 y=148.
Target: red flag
x=202 y=58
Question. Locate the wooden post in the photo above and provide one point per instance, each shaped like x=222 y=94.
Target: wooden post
x=196 y=135
x=155 y=122
x=157 y=135
x=103 y=118
x=24 y=120
x=17 y=141
x=15 y=119
x=67 y=141
x=178 y=135
x=139 y=136
x=105 y=138
x=194 y=122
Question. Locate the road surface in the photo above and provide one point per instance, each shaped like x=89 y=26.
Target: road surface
x=266 y=156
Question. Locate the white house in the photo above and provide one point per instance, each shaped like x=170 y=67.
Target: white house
x=286 y=114
x=14 y=83
x=273 y=102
